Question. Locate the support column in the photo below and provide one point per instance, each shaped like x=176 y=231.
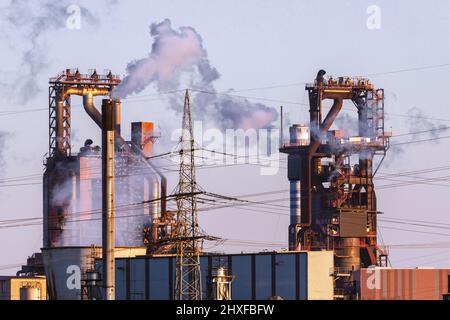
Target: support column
x=108 y=199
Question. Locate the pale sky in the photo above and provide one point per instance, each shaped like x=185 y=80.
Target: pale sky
x=252 y=44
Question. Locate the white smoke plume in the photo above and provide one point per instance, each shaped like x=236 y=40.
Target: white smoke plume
x=27 y=27
x=81 y=225
x=420 y=125
x=179 y=54
x=172 y=52
x=347 y=124
x=3 y=138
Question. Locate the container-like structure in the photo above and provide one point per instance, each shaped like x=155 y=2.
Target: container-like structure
x=300 y=275
x=23 y=288
x=380 y=283
x=69 y=270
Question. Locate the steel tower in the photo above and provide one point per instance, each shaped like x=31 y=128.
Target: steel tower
x=333 y=200
x=187 y=276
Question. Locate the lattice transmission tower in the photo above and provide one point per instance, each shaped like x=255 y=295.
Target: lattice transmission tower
x=188 y=284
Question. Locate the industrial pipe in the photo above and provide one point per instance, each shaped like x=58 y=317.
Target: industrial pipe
x=59 y=115
x=295 y=214
x=326 y=124
x=88 y=104
x=281 y=127
x=60 y=126
x=108 y=199
x=117 y=116
x=315 y=143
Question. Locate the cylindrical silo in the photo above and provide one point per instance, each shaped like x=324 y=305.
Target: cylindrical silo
x=30 y=293
x=299 y=135
x=295 y=202
x=348 y=254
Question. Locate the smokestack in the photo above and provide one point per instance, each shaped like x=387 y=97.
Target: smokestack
x=60 y=126
x=108 y=198
x=295 y=215
x=117 y=116
x=281 y=126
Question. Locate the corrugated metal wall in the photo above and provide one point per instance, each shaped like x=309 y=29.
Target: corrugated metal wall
x=256 y=276
x=403 y=284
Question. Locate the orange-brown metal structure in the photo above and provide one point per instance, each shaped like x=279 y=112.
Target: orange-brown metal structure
x=333 y=203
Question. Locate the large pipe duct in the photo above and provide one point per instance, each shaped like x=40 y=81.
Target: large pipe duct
x=325 y=126
x=316 y=140
x=61 y=100
x=88 y=104
x=60 y=126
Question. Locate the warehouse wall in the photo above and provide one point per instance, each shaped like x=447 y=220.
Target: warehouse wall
x=64 y=267
x=290 y=275
x=320 y=275
x=23 y=288
x=403 y=284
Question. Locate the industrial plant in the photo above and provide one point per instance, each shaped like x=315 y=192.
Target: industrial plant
x=108 y=232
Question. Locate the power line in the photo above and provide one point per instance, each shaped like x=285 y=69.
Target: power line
x=420 y=132
x=435 y=66
x=418 y=141
x=247 y=97
x=416 y=231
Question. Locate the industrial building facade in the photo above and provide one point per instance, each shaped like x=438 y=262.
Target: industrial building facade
x=23 y=288
x=298 y=275
x=404 y=284
x=257 y=276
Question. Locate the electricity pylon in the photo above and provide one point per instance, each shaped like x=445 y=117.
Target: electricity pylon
x=188 y=284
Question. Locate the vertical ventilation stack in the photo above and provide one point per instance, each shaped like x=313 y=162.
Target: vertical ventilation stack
x=108 y=198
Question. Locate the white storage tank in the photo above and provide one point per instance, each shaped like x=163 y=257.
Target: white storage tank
x=30 y=293
x=299 y=135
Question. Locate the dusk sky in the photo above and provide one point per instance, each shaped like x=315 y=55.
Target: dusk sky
x=265 y=51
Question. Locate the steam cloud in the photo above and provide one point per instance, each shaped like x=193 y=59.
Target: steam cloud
x=3 y=137
x=26 y=26
x=347 y=124
x=418 y=123
x=419 y=128
x=179 y=53
x=82 y=223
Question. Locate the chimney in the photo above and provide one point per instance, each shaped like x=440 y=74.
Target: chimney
x=108 y=199
x=142 y=134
